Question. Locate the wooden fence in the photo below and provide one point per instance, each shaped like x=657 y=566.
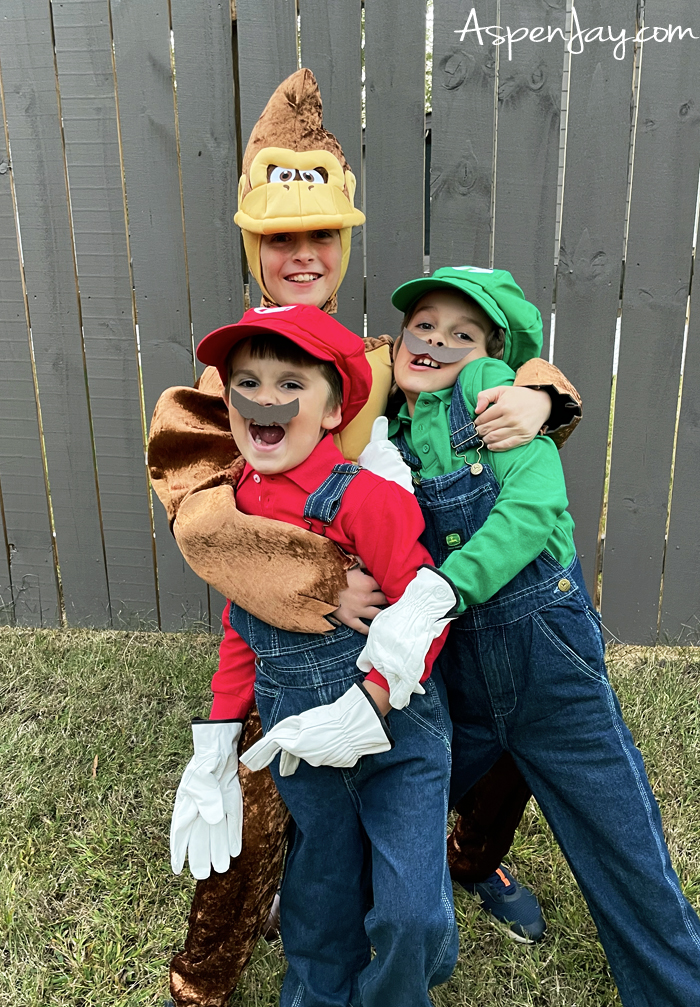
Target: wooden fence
x=124 y=122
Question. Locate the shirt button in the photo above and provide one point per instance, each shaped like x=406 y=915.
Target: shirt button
x=256 y=478
x=421 y=426
x=425 y=449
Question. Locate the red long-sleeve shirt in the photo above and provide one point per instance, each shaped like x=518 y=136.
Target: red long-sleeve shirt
x=378 y=521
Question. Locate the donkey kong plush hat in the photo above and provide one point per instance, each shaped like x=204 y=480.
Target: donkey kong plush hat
x=295 y=176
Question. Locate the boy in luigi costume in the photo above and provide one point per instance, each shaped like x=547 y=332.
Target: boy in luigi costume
x=523 y=663
x=298 y=246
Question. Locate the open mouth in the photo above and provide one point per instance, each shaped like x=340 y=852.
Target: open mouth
x=303 y=277
x=425 y=362
x=266 y=436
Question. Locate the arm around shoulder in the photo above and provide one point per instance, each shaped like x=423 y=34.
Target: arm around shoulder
x=286 y=576
x=566 y=409
x=189 y=442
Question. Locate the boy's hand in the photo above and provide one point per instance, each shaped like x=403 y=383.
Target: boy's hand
x=383 y=458
x=516 y=415
x=400 y=636
x=207 y=822
x=361 y=599
x=337 y=734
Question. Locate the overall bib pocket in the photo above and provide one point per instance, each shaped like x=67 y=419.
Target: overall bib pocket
x=576 y=639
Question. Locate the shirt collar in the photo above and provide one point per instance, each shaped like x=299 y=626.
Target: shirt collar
x=404 y=419
x=313 y=470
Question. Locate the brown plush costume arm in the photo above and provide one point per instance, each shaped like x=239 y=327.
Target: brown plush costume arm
x=287 y=576
x=282 y=574
x=566 y=401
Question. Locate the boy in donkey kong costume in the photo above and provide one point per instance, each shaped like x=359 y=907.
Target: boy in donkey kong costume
x=296 y=213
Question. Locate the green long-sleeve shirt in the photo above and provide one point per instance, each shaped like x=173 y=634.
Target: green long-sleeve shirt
x=530 y=513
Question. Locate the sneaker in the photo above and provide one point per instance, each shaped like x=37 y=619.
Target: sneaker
x=511 y=905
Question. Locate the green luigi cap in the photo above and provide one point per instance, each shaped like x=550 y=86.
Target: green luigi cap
x=497 y=293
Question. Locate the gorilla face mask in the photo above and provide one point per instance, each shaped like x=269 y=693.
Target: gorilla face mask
x=263 y=415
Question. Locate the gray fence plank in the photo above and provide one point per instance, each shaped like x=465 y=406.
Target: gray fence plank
x=590 y=263
x=26 y=513
x=208 y=161
x=7 y=609
x=680 y=613
x=267 y=54
x=461 y=166
x=657 y=273
x=395 y=143
x=527 y=161
x=146 y=107
x=26 y=56
x=84 y=61
x=330 y=47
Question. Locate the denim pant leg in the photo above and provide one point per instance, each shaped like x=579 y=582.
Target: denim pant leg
x=371 y=834
x=476 y=745
x=573 y=748
x=403 y=806
x=326 y=890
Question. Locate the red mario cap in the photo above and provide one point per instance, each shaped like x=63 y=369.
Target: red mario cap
x=313 y=330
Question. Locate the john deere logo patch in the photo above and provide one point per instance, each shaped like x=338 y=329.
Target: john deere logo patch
x=453 y=540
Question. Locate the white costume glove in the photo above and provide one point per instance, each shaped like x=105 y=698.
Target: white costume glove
x=383 y=458
x=337 y=734
x=400 y=636
x=207 y=819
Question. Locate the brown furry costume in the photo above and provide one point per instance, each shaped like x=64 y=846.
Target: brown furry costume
x=282 y=574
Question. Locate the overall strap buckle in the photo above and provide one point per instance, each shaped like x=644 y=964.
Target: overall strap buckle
x=463 y=433
x=324 y=503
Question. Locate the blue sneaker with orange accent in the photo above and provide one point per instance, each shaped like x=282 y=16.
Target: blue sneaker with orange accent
x=511 y=905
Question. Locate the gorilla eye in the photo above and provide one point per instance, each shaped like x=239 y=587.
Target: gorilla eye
x=281 y=175
x=313 y=175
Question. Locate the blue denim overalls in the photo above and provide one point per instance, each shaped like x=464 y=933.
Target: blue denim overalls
x=525 y=673
x=366 y=864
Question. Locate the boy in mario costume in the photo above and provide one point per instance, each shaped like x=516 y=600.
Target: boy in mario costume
x=301 y=255
x=379 y=878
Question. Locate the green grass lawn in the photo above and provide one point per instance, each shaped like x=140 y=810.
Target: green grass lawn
x=95 y=733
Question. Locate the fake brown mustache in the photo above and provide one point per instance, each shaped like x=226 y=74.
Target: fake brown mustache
x=442 y=354
x=264 y=416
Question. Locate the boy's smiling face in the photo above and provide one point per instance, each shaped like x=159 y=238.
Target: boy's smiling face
x=301 y=267
x=440 y=318
x=279 y=447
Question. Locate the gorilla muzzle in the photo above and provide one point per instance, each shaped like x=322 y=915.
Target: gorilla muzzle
x=272 y=207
